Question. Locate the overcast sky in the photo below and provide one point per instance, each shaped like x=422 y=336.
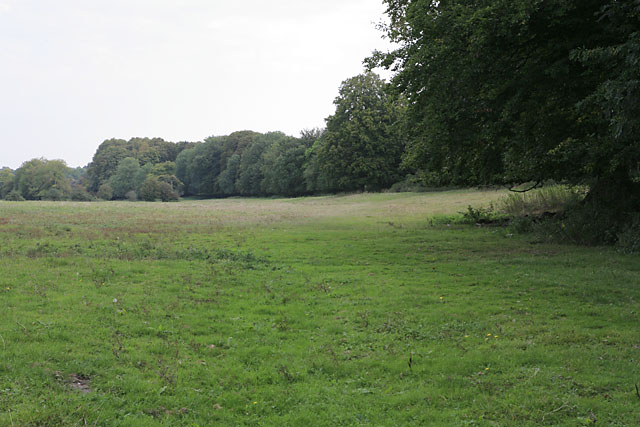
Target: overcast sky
x=76 y=72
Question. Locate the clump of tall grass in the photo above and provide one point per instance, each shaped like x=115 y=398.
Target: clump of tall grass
x=552 y=199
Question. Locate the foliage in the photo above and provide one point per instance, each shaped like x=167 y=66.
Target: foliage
x=39 y=179
x=54 y=195
x=362 y=146
x=80 y=194
x=250 y=172
x=483 y=216
x=227 y=179
x=105 y=192
x=153 y=188
x=494 y=88
x=614 y=105
x=410 y=183
x=125 y=178
x=7 y=177
x=111 y=152
x=149 y=189
x=131 y=196
x=14 y=196
x=283 y=167
x=314 y=178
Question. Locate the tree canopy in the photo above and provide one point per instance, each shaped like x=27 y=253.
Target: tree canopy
x=509 y=91
x=363 y=143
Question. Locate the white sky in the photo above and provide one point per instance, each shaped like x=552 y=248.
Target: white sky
x=76 y=72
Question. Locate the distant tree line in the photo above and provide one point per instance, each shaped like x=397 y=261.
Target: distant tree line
x=360 y=150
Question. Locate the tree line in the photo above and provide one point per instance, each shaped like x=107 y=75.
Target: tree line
x=359 y=150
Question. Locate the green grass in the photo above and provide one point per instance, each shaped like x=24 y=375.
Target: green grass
x=307 y=312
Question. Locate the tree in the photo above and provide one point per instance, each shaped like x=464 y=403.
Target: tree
x=39 y=179
x=148 y=151
x=515 y=91
x=105 y=161
x=227 y=179
x=153 y=189
x=105 y=192
x=250 y=172
x=363 y=144
x=7 y=176
x=494 y=86
x=282 y=168
x=314 y=179
x=124 y=180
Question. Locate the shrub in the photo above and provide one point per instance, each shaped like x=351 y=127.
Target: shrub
x=149 y=190
x=80 y=194
x=410 y=183
x=482 y=215
x=166 y=193
x=131 y=196
x=154 y=189
x=105 y=192
x=54 y=194
x=14 y=196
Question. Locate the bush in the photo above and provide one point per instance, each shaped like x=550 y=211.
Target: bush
x=166 y=193
x=80 y=194
x=131 y=196
x=54 y=194
x=149 y=190
x=105 y=192
x=153 y=189
x=14 y=196
x=481 y=215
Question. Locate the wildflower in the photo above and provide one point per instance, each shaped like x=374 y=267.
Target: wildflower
x=466 y=336
x=486 y=369
x=488 y=335
x=255 y=403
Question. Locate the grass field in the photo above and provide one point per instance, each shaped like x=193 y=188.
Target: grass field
x=375 y=309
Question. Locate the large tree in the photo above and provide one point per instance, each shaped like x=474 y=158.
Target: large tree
x=7 y=177
x=42 y=179
x=363 y=143
x=498 y=89
x=282 y=167
x=126 y=178
x=148 y=151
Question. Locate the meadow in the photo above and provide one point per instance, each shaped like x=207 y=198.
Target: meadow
x=370 y=309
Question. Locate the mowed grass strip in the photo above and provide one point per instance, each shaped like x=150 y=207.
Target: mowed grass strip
x=344 y=310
